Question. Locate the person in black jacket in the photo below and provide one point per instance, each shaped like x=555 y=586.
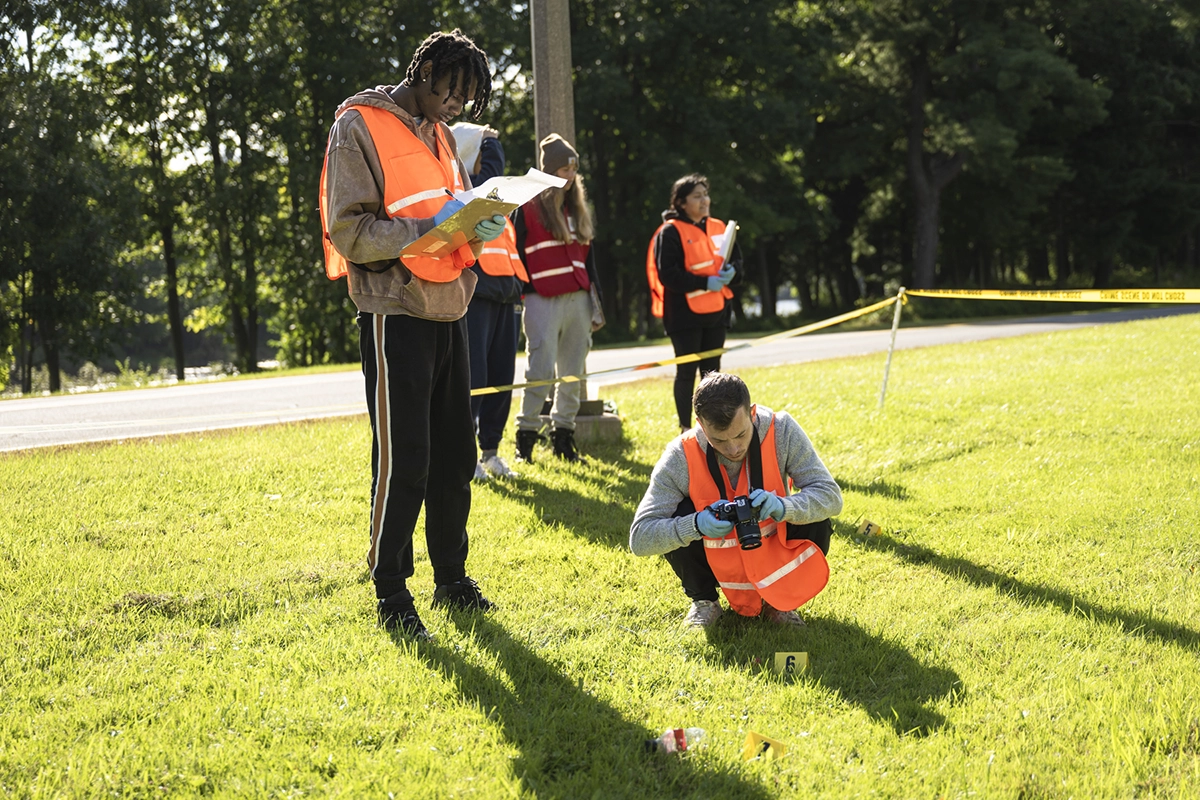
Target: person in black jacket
x=493 y=317
x=695 y=310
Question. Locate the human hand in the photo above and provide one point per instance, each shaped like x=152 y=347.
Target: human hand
x=711 y=527
x=490 y=133
x=715 y=284
x=726 y=274
x=451 y=206
x=768 y=504
x=488 y=229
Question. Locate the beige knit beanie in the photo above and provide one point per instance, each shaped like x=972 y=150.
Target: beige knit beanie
x=555 y=153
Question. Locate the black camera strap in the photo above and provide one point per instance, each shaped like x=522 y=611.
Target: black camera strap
x=755 y=457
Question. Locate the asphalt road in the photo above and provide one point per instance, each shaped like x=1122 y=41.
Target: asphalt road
x=72 y=419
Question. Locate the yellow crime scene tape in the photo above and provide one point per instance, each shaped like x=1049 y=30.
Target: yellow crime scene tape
x=666 y=362
x=1067 y=295
x=1057 y=295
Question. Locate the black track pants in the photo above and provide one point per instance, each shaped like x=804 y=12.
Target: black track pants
x=423 y=447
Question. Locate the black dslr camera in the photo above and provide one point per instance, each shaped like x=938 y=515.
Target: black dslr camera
x=744 y=518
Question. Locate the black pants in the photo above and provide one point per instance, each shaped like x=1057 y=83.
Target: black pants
x=691 y=564
x=423 y=449
x=686 y=342
x=492 y=330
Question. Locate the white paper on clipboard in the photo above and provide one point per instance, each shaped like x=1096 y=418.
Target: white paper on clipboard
x=724 y=241
x=516 y=189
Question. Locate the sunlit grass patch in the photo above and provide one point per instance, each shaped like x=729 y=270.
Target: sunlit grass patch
x=193 y=615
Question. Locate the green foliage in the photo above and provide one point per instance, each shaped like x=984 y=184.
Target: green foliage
x=860 y=145
x=191 y=615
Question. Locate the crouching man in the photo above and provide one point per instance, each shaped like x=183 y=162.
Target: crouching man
x=688 y=514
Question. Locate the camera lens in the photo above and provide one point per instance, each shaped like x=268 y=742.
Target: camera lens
x=749 y=536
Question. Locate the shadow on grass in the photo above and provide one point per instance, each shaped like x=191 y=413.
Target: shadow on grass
x=863 y=668
x=1132 y=623
x=572 y=744
x=604 y=519
x=877 y=488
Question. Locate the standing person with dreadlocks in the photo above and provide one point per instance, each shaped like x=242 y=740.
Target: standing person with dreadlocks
x=554 y=235
x=689 y=285
x=390 y=167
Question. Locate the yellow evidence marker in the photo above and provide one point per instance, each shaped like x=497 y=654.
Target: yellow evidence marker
x=791 y=664
x=868 y=528
x=759 y=746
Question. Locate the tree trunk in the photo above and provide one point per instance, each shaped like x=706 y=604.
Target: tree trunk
x=929 y=174
x=1102 y=275
x=46 y=330
x=25 y=362
x=765 y=288
x=164 y=199
x=1039 y=262
x=1062 y=250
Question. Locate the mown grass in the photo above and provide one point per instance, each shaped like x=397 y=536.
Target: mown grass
x=192 y=616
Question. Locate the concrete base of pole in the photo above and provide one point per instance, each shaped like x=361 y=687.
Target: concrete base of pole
x=592 y=423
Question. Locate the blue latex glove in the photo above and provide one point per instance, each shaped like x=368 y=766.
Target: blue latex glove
x=451 y=206
x=488 y=229
x=726 y=274
x=768 y=504
x=714 y=283
x=711 y=527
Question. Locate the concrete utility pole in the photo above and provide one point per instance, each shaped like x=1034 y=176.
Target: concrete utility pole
x=553 y=94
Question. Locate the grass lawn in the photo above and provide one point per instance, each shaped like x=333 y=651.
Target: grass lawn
x=192 y=616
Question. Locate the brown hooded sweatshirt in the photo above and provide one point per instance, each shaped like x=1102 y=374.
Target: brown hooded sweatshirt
x=361 y=230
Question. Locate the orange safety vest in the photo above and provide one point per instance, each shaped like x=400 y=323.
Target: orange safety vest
x=699 y=257
x=499 y=256
x=415 y=186
x=787 y=574
x=555 y=267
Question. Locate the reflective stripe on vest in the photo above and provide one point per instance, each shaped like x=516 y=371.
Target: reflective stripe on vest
x=415 y=186
x=783 y=571
x=499 y=257
x=699 y=257
x=771 y=572
x=555 y=267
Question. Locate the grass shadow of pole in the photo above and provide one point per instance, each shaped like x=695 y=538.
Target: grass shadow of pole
x=1132 y=623
x=572 y=743
x=865 y=669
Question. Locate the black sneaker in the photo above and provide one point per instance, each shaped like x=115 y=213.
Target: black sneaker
x=463 y=593
x=564 y=446
x=525 y=444
x=404 y=620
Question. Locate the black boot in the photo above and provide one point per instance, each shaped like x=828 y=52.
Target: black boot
x=525 y=442
x=564 y=445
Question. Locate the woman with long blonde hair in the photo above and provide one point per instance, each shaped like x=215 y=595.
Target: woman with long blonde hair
x=554 y=236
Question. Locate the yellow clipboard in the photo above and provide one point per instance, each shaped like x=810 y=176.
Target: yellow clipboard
x=457 y=229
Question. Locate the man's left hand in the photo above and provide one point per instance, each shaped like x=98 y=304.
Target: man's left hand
x=489 y=229
x=768 y=504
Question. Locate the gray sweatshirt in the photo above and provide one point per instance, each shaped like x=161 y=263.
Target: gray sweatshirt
x=655 y=531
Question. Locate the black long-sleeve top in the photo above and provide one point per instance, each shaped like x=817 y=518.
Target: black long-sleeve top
x=677 y=280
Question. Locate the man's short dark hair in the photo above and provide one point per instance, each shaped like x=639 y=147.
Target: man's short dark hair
x=718 y=397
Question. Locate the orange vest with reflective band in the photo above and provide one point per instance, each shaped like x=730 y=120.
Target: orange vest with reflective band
x=787 y=574
x=415 y=185
x=499 y=256
x=699 y=258
x=555 y=267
